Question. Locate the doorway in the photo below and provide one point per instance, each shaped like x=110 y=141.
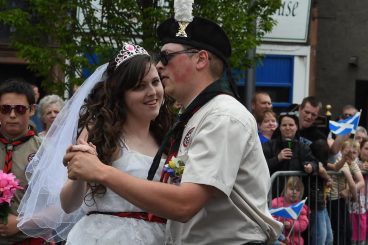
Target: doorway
x=361 y=100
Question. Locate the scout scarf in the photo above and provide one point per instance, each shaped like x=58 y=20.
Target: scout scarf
x=9 y=146
x=173 y=137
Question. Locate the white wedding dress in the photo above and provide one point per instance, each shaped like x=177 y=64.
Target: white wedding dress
x=104 y=229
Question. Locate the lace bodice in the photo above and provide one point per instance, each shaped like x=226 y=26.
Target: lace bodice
x=133 y=163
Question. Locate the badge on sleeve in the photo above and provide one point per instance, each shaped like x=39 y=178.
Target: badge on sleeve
x=31 y=156
x=188 y=137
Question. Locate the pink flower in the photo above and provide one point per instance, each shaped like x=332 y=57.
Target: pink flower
x=130 y=48
x=8 y=186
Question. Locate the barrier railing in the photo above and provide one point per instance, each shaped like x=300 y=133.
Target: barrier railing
x=340 y=211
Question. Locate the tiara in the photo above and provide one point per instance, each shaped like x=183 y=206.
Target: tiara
x=128 y=51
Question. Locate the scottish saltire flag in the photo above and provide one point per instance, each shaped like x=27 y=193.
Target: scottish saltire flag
x=291 y=212
x=345 y=126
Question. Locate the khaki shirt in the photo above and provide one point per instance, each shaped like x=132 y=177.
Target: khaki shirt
x=22 y=154
x=339 y=182
x=220 y=147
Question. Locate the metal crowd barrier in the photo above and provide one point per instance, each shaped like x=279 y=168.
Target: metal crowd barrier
x=310 y=181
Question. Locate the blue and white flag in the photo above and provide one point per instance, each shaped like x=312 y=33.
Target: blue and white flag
x=345 y=126
x=291 y=212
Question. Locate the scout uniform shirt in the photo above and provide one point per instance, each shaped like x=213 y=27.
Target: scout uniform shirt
x=220 y=148
x=22 y=155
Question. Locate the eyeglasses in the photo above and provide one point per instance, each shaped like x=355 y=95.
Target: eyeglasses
x=290 y=113
x=165 y=57
x=19 y=109
x=346 y=115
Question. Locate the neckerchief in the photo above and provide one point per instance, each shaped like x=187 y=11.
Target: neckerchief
x=173 y=137
x=9 y=146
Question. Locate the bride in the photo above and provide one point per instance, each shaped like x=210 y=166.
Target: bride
x=124 y=118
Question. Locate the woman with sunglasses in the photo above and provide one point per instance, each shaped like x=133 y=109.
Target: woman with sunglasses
x=123 y=117
x=284 y=152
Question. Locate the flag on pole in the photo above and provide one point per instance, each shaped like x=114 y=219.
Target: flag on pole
x=345 y=126
x=291 y=212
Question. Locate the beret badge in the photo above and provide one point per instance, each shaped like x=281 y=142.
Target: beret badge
x=183 y=15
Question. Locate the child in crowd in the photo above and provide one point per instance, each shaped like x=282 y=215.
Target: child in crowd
x=293 y=193
x=344 y=188
x=358 y=212
x=18 y=144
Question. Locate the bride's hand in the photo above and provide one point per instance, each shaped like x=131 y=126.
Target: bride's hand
x=81 y=146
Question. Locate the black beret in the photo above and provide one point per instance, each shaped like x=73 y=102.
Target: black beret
x=201 y=34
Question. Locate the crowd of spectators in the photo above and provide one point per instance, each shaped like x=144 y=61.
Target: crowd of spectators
x=331 y=168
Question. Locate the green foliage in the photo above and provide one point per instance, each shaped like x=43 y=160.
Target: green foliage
x=61 y=34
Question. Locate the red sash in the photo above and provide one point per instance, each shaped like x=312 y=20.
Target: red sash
x=33 y=241
x=135 y=215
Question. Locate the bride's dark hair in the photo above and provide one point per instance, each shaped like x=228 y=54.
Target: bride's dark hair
x=104 y=111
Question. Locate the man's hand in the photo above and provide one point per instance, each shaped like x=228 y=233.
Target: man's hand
x=10 y=228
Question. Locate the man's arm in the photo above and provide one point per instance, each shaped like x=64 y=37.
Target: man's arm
x=323 y=173
x=340 y=163
x=309 y=161
x=176 y=202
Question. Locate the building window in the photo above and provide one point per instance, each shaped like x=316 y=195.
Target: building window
x=274 y=74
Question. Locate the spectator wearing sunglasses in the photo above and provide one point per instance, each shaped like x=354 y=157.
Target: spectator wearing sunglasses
x=336 y=141
x=285 y=152
x=50 y=106
x=18 y=144
x=222 y=179
x=348 y=111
